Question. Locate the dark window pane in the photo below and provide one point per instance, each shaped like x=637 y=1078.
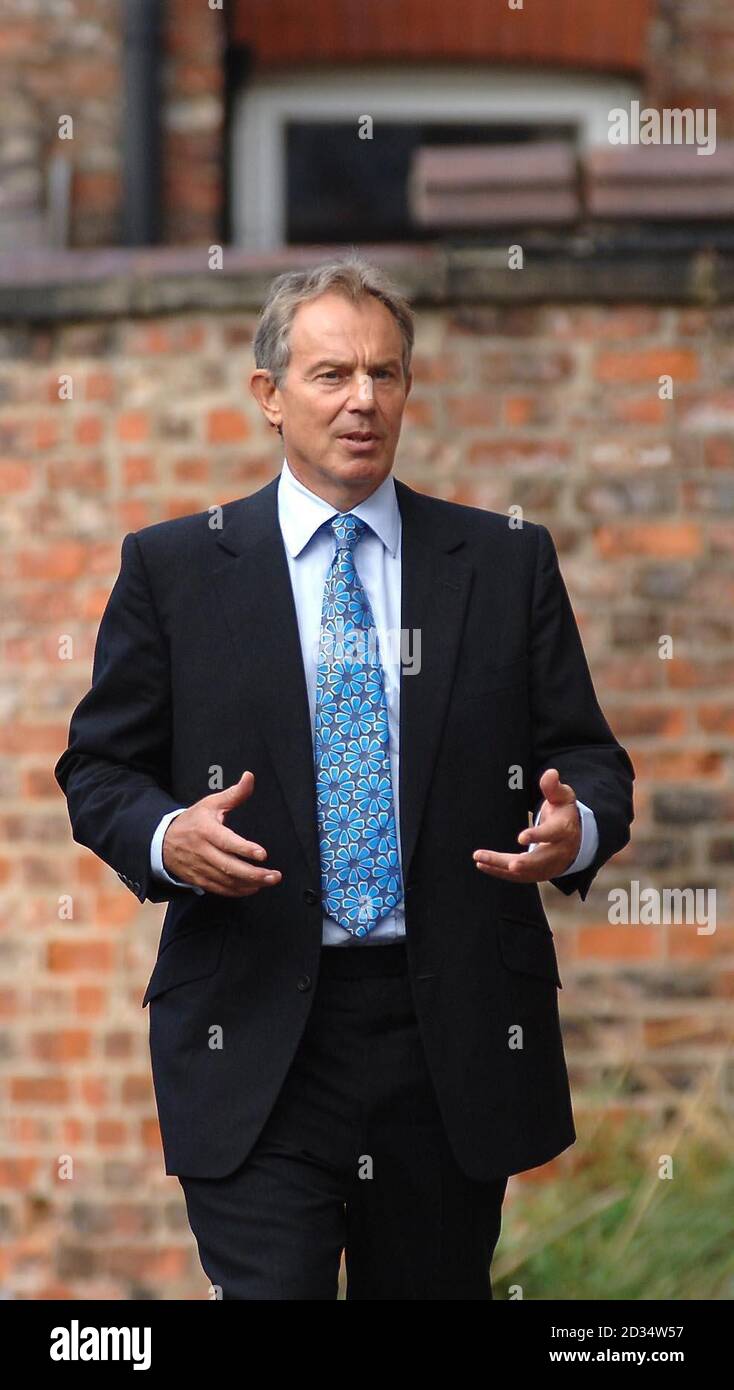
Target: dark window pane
x=341 y=188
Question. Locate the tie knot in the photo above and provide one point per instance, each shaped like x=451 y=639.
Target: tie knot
x=347 y=528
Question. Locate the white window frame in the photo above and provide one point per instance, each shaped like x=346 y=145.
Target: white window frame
x=462 y=94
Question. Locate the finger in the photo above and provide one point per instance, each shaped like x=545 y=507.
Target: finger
x=212 y=881
x=229 y=842
x=234 y=795
x=492 y=857
x=554 y=790
x=496 y=862
x=551 y=831
x=223 y=886
x=514 y=871
x=238 y=870
x=519 y=868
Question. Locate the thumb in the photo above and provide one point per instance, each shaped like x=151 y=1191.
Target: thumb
x=230 y=797
x=555 y=791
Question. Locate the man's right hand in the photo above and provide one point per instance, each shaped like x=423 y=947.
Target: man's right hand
x=199 y=849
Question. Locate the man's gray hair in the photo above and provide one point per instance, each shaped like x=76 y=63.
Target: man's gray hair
x=351 y=276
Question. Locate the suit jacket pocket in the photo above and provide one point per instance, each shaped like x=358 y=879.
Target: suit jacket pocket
x=192 y=956
x=527 y=947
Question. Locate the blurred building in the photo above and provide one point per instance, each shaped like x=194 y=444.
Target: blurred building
x=272 y=122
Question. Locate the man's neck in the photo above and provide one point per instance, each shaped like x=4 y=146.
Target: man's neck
x=336 y=497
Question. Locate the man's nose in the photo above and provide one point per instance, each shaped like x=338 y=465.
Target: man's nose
x=362 y=393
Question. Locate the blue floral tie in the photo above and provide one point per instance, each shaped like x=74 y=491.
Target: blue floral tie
x=360 y=867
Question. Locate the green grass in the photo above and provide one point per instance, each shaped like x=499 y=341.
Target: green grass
x=609 y=1227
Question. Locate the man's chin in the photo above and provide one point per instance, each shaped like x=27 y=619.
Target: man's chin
x=364 y=465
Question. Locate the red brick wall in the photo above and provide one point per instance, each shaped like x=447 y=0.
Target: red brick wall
x=552 y=407
x=67 y=61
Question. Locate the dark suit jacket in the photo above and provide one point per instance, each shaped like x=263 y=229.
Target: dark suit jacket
x=198 y=666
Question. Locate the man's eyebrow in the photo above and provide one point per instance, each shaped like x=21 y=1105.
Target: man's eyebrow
x=328 y=362
x=336 y=362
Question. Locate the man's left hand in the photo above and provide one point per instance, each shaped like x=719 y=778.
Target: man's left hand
x=557 y=835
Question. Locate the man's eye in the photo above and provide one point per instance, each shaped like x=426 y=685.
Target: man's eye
x=323 y=376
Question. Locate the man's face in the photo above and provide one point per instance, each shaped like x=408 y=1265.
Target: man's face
x=342 y=398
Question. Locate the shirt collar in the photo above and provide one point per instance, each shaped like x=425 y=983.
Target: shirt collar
x=301 y=512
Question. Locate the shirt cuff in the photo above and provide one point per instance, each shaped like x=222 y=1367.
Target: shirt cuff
x=156 y=852
x=589 y=841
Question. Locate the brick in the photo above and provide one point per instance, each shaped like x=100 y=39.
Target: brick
x=716 y=718
x=137 y=469
x=66 y=1045
x=660 y=721
x=669 y=582
x=637 y=410
x=46 y=433
x=15 y=476
x=654 y=852
x=420 y=413
x=532 y=365
x=83 y=474
x=96 y=189
x=719 y=452
x=686 y=806
x=521 y=410
x=110 y=1134
x=619 y=943
x=133 y=426
x=508 y=453
x=684 y=674
x=99 y=386
x=675 y=765
x=636 y=366
x=192 y=470
x=18 y=1174
x=39 y=1090
x=88 y=430
x=164 y=337
x=721 y=851
x=681 y=539
x=428 y=371
x=713 y=495
x=622 y=496
x=73 y=956
x=226 y=426
x=469 y=410
x=62 y=560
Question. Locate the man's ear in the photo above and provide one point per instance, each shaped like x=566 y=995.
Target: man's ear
x=267 y=395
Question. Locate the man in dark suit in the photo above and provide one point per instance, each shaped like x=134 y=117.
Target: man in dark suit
x=354 y=1021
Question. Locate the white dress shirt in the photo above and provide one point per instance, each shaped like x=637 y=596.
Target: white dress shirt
x=377 y=557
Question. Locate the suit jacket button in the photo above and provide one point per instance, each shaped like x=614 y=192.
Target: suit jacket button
x=312 y=896
x=304 y=982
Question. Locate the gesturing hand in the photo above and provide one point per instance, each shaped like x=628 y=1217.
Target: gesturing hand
x=199 y=849
x=557 y=835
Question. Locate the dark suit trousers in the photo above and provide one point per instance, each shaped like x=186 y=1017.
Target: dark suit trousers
x=353 y=1157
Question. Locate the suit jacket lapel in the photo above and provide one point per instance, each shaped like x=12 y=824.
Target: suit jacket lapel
x=435 y=587
x=254 y=588
x=253 y=585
